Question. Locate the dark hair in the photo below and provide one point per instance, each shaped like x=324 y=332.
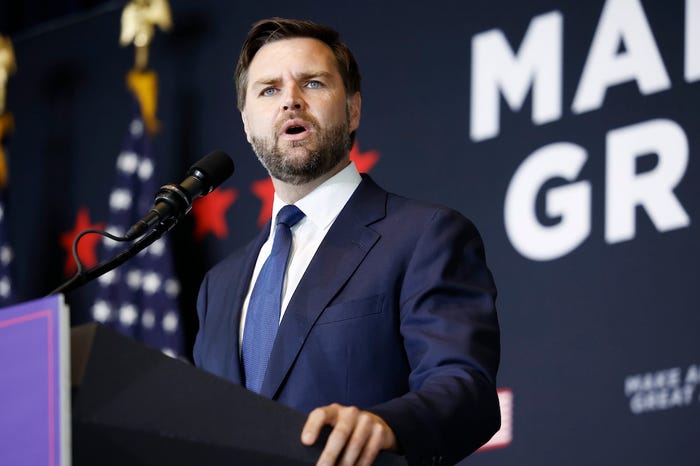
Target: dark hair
x=274 y=29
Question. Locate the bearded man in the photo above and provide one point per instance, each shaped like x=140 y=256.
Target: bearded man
x=372 y=312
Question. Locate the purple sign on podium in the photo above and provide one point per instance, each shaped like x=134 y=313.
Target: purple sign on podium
x=34 y=384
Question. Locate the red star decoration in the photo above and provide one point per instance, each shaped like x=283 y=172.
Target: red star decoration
x=364 y=161
x=87 y=245
x=263 y=189
x=210 y=213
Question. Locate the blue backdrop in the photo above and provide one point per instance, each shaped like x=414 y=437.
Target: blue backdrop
x=567 y=131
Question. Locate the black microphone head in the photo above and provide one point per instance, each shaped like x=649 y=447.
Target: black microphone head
x=214 y=168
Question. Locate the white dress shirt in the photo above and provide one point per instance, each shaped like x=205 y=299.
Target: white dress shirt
x=321 y=207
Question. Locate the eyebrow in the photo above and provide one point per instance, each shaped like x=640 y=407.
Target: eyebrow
x=302 y=77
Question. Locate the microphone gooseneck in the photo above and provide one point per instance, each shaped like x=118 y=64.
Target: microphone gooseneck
x=171 y=203
x=175 y=200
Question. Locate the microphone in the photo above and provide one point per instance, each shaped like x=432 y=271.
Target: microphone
x=175 y=200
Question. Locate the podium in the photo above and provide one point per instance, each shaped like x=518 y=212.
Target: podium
x=34 y=379
x=134 y=405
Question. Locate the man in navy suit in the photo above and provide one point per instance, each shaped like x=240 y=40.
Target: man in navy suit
x=387 y=328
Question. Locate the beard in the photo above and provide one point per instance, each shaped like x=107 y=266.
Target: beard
x=332 y=146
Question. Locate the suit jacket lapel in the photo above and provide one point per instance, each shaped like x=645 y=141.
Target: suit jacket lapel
x=343 y=249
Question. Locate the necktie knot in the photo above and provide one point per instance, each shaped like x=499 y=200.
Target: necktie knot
x=289 y=215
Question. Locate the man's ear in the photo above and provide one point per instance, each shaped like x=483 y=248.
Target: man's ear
x=355 y=108
x=245 y=125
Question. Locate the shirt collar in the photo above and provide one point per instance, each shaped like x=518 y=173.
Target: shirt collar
x=323 y=204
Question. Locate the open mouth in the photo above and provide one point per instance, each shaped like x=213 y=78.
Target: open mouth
x=295 y=130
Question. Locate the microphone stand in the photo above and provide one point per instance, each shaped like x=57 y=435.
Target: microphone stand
x=101 y=269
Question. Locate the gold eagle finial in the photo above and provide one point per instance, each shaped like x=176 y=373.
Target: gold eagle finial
x=139 y=19
x=7 y=67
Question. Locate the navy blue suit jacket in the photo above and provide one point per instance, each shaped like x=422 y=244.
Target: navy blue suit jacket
x=395 y=314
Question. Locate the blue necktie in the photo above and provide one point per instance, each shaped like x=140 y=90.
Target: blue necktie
x=263 y=315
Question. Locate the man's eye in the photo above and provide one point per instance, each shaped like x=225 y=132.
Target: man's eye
x=268 y=91
x=314 y=84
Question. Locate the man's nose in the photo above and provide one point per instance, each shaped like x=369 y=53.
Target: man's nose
x=292 y=99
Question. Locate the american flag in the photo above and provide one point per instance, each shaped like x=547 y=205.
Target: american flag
x=6 y=254
x=140 y=298
x=6 y=296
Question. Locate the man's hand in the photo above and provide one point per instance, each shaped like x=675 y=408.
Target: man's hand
x=358 y=435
